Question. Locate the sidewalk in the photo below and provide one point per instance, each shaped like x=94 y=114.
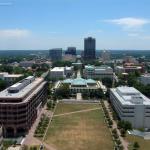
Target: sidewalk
x=123 y=141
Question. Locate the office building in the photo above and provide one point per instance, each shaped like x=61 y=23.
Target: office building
x=105 y=55
x=26 y=64
x=55 y=54
x=10 y=78
x=89 y=48
x=119 y=69
x=131 y=105
x=20 y=105
x=71 y=51
x=1 y=137
x=98 y=72
x=145 y=79
x=61 y=72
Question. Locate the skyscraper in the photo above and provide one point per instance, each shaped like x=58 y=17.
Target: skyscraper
x=71 y=51
x=55 y=54
x=105 y=55
x=89 y=48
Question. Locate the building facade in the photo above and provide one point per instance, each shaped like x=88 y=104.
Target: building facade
x=71 y=51
x=10 y=78
x=89 y=48
x=80 y=85
x=100 y=72
x=145 y=79
x=20 y=105
x=61 y=72
x=55 y=54
x=131 y=105
x=105 y=55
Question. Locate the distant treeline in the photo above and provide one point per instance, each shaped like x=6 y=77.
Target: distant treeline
x=114 y=53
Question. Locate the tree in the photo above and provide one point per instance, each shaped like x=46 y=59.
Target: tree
x=136 y=145
x=2 y=84
x=63 y=91
x=107 y=82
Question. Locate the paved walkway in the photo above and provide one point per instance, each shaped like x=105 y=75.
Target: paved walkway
x=79 y=96
x=74 y=112
x=78 y=74
x=30 y=140
x=123 y=141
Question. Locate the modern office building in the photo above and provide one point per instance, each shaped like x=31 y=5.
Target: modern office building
x=98 y=72
x=89 y=48
x=145 y=79
x=80 y=85
x=71 y=51
x=61 y=72
x=20 y=105
x=26 y=64
x=10 y=78
x=105 y=55
x=55 y=54
x=119 y=69
x=131 y=105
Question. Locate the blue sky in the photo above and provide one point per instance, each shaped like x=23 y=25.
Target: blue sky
x=45 y=24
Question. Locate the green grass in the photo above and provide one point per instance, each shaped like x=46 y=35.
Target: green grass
x=144 y=144
x=81 y=131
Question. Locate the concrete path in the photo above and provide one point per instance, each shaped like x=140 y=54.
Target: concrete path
x=123 y=141
x=79 y=96
x=30 y=140
x=74 y=112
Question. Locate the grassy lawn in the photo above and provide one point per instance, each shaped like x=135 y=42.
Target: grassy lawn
x=65 y=108
x=144 y=144
x=81 y=131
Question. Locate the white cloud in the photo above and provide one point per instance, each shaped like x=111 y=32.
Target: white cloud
x=129 y=22
x=133 y=34
x=6 y=3
x=14 y=33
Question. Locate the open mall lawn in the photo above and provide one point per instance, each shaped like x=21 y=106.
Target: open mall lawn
x=144 y=144
x=79 y=131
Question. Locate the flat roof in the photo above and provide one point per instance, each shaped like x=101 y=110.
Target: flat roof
x=22 y=92
x=57 y=69
x=130 y=96
x=13 y=75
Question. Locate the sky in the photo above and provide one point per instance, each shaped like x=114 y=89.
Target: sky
x=46 y=24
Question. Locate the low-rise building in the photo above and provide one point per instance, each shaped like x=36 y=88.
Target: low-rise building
x=26 y=64
x=80 y=85
x=119 y=69
x=131 y=105
x=100 y=72
x=145 y=79
x=61 y=72
x=20 y=105
x=10 y=78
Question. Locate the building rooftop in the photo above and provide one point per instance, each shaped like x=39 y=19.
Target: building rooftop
x=79 y=81
x=130 y=96
x=147 y=75
x=23 y=90
x=57 y=69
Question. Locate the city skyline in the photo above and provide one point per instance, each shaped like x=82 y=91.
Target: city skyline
x=53 y=23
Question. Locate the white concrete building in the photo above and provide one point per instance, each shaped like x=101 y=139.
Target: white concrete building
x=145 y=79
x=61 y=72
x=98 y=72
x=119 y=69
x=10 y=78
x=26 y=64
x=80 y=85
x=131 y=105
